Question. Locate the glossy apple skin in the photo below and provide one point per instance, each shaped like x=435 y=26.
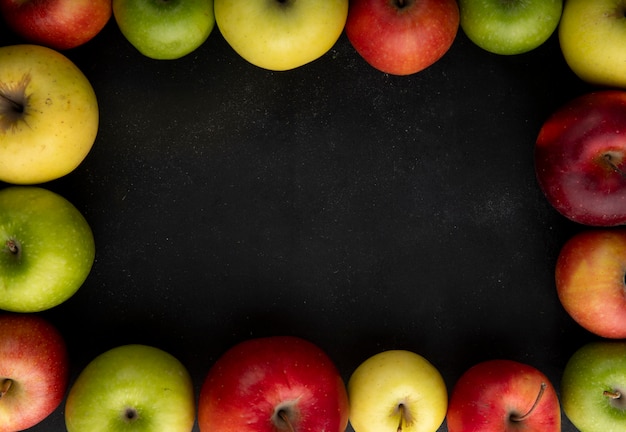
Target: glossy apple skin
x=58 y=24
x=509 y=28
x=133 y=387
x=580 y=159
x=55 y=249
x=58 y=123
x=33 y=355
x=165 y=30
x=281 y=35
x=596 y=368
x=592 y=38
x=253 y=380
x=489 y=393
x=402 y=39
x=397 y=387
x=589 y=277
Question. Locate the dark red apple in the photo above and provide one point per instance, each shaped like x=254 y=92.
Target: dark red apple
x=280 y=383
x=33 y=370
x=58 y=24
x=402 y=37
x=580 y=159
x=503 y=396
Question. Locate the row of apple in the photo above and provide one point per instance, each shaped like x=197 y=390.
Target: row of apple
x=400 y=37
x=289 y=384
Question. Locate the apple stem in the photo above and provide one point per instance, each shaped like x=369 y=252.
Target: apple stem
x=17 y=107
x=284 y=417
x=542 y=389
x=5 y=386
x=609 y=160
x=614 y=394
x=12 y=246
x=401 y=409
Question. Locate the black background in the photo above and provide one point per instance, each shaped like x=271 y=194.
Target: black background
x=359 y=210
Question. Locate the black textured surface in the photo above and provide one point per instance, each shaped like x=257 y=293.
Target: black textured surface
x=359 y=210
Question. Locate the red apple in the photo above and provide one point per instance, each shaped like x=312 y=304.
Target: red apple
x=58 y=24
x=580 y=159
x=271 y=384
x=402 y=37
x=590 y=282
x=503 y=396
x=33 y=370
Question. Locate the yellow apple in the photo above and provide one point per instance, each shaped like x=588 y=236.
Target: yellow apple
x=397 y=390
x=592 y=35
x=48 y=114
x=281 y=34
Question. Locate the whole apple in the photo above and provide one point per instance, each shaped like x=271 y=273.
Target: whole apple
x=592 y=37
x=397 y=390
x=580 y=159
x=48 y=115
x=58 y=24
x=590 y=283
x=165 y=30
x=510 y=27
x=134 y=387
x=47 y=249
x=503 y=396
x=593 y=387
x=281 y=34
x=34 y=368
x=270 y=384
x=402 y=37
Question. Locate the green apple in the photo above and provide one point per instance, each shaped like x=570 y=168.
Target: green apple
x=46 y=249
x=593 y=387
x=509 y=27
x=48 y=115
x=592 y=35
x=397 y=390
x=131 y=388
x=281 y=34
x=165 y=29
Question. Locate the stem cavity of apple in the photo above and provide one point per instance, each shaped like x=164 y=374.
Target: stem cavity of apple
x=5 y=386
x=13 y=102
x=13 y=247
x=519 y=418
x=284 y=416
x=131 y=414
x=609 y=159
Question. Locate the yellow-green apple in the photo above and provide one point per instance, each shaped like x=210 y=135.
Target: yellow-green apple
x=48 y=114
x=59 y=24
x=33 y=370
x=397 y=390
x=589 y=276
x=592 y=35
x=165 y=30
x=402 y=37
x=47 y=249
x=131 y=388
x=593 y=387
x=281 y=34
x=273 y=384
x=503 y=396
x=580 y=158
x=510 y=27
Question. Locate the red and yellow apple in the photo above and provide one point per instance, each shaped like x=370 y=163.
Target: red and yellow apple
x=580 y=159
x=271 y=384
x=34 y=369
x=590 y=282
x=503 y=396
x=402 y=37
x=58 y=24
